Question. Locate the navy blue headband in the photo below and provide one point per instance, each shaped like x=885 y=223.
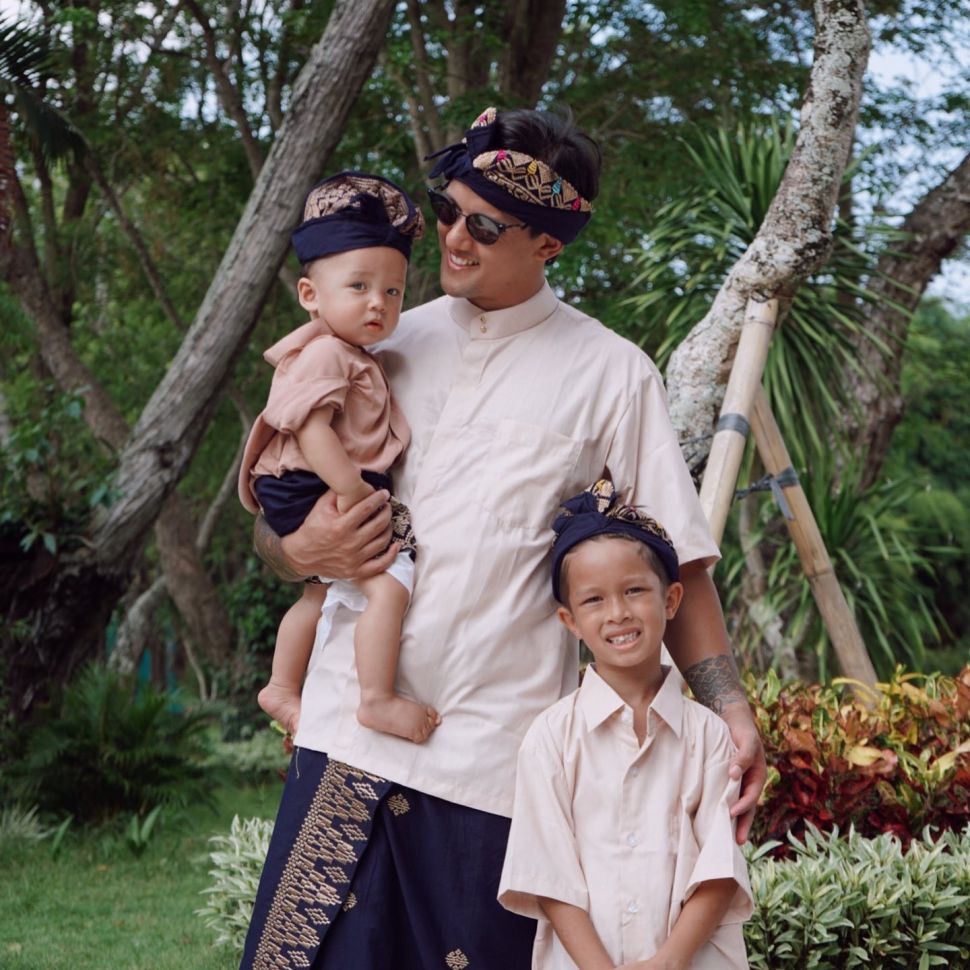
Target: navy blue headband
x=354 y=210
x=598 y=511
x=516 y=183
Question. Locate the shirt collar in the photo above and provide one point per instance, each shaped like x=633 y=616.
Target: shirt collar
x=297 y=340
x=598 y=701
x=495 y=324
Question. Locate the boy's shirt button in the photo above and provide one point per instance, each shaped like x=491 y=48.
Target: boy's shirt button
x=632 y=840
x=632 y=907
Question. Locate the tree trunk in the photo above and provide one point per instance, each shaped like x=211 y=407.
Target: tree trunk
x=796 y=235
x=933 y=230
x=67 y=613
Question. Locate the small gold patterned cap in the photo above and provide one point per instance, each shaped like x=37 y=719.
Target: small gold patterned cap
x=355 y=210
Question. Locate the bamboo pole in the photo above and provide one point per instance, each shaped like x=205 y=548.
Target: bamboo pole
x=727 y=448
x=838 y=618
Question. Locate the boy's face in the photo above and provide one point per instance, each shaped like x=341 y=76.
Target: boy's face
x=492 y=277
x=617 y=604
x=357 y=294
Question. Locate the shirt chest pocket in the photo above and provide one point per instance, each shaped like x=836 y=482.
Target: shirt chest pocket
x=527 y=470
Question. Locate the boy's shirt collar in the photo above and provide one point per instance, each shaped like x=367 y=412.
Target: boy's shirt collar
x=297 y=340
x=495 y=324
x=598 y=701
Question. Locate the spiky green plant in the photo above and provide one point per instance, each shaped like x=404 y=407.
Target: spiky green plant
x=884 y=570
x=111 y=746
x=692 y=242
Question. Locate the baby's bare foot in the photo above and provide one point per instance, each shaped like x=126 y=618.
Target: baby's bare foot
x=397 y=715
x=281 y=704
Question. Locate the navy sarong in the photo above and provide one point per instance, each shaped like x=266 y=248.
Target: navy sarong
x=364 y=874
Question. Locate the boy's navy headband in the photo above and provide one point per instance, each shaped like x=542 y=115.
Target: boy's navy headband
x=516 y=183
x=354 y=210
x=598 y=511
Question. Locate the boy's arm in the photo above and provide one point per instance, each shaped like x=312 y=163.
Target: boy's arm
x=698 y=642
x=701 y=915
x=577 y=934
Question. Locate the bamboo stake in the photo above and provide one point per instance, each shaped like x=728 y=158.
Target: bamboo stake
x=838 y=618
x=727 y=448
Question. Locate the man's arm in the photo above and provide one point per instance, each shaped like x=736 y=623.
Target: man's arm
x=697 y=640
x=340 y=545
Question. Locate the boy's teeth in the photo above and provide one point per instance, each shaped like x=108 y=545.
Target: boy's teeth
x=626 y=638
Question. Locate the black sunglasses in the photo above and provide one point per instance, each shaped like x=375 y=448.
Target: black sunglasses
x=481 y=228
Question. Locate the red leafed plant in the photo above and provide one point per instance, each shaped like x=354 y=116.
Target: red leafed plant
x=894 y=759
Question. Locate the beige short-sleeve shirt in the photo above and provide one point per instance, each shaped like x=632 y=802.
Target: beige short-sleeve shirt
x=511 y=412
x=623 y=830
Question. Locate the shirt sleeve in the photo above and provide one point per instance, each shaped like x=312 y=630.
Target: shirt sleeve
x=541 y=858
x=319 y=375
x=708 y=849
x=648 y=469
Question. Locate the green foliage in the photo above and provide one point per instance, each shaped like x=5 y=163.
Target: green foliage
x=884 y=569
x=139 y=830
x=254 y=758
x=894 y=761
x=695 y=239
x=110 y=748
x=238 y=861
x=50 y=479
x=846 y=901
x=19 y=825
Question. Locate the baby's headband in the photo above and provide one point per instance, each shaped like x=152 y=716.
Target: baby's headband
x=598 y=511
x=353 y=210
x=516 y=183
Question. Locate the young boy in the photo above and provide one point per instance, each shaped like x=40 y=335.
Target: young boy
x=331 y=424
x=622 y=843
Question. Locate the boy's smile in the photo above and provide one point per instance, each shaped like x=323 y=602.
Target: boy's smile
x=618 y=606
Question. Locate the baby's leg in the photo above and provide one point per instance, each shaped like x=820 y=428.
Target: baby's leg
x=280 y=698
x=377 y=642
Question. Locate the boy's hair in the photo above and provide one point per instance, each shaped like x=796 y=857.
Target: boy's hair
x=645 y=552
x=554 y=139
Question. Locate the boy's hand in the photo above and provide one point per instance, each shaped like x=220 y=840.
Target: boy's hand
x=340 y=545
x=749 y=765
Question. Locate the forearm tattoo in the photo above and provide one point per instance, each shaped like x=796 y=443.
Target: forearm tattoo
x=715 y=683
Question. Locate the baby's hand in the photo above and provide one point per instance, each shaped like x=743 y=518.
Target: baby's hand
x=347 y=500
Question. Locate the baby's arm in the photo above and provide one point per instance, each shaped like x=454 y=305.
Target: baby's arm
x=577 y=934
x=328 y=458
x=699 y=918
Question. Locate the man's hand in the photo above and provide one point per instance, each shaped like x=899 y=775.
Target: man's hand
x=749 y=765
x=339 y=545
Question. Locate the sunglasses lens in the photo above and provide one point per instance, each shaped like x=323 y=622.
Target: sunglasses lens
x=446 y=212
x=483 y=229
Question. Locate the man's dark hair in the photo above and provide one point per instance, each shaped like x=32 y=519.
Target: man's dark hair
x=554 y=139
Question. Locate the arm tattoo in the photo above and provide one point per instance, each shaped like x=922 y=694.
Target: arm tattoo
x=715 y=683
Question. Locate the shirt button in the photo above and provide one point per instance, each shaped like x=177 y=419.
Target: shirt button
x=483 y=326
x=632 y=840
x=635 y=770
x=632 y=907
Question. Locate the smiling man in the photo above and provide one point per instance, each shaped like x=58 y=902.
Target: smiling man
x=388 y=853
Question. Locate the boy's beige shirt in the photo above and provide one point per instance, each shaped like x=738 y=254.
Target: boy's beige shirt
x=622 y=830
x=511 y=412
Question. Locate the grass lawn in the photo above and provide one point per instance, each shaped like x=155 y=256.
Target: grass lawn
x=98 y=907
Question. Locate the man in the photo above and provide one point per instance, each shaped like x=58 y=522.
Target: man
x=388 y=853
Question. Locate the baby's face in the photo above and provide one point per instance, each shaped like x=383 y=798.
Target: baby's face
x=357 y=293
x=617 y=604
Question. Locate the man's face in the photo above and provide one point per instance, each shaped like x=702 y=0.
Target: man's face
x=497 y=276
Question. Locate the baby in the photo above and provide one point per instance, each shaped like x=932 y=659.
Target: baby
x=331 y=424
x=622 y=843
